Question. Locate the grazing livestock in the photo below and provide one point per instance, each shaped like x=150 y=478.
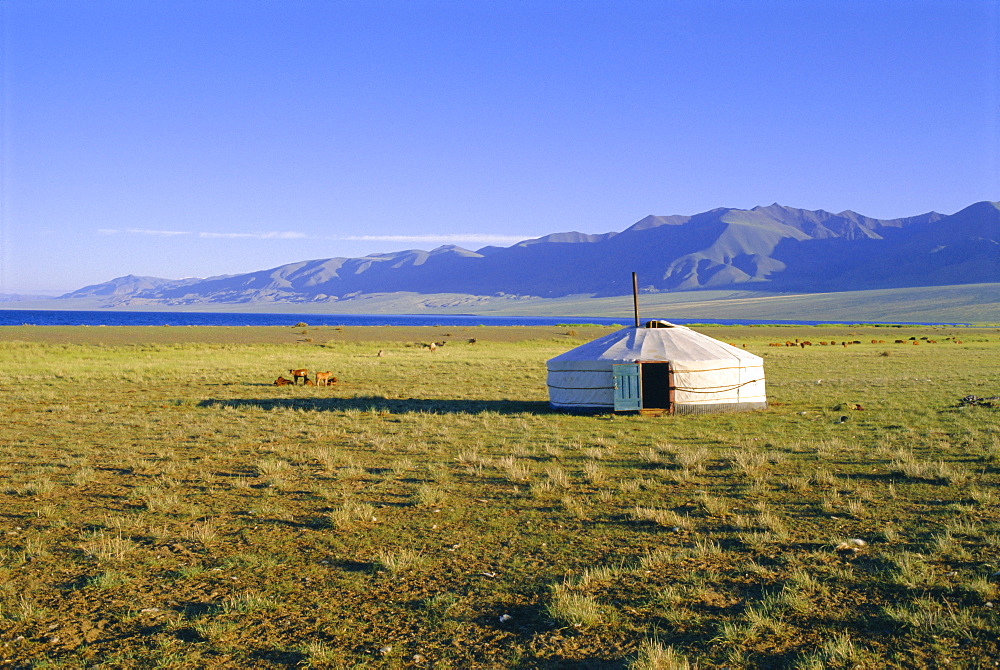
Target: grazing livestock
x=302 y=374
x=472 y=340
x=281 y=381
x=324 y=379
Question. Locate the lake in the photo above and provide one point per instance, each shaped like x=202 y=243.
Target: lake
x=15 y=317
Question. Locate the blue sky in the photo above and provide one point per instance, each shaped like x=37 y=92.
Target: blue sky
x=177 y=138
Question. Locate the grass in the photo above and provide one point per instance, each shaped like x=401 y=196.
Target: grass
x=165 y=504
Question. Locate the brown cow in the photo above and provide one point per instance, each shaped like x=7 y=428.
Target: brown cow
x=281 y=381
x=302 y=374
x=324 y=379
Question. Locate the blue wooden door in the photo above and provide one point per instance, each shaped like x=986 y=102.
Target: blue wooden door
x=628 y=387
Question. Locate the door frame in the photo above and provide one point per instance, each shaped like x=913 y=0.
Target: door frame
x=629 y=395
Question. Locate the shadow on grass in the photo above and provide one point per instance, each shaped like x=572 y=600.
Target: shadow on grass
x=291 y=659
x=562 y=663
x=387 y=405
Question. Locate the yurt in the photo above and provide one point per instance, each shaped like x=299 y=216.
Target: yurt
x=656 y=368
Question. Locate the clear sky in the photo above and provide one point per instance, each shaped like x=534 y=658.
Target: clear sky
x=179 y=138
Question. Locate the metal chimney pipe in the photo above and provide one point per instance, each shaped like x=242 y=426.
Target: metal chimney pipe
x=635 y=298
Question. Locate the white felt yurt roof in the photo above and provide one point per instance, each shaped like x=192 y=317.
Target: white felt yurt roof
x=685 y=348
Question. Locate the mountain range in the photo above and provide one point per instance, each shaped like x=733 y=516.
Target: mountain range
x=773 y=248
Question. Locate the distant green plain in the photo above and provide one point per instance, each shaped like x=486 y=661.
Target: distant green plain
x=164 y=505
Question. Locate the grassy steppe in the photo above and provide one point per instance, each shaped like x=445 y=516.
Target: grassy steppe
x=164 y=505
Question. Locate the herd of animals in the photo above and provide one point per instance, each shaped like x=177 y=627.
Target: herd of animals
x=319 y=379
x=807 y=343
x=327 y=378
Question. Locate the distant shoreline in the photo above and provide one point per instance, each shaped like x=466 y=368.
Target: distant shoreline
x=977 y=304
x=227 y=319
